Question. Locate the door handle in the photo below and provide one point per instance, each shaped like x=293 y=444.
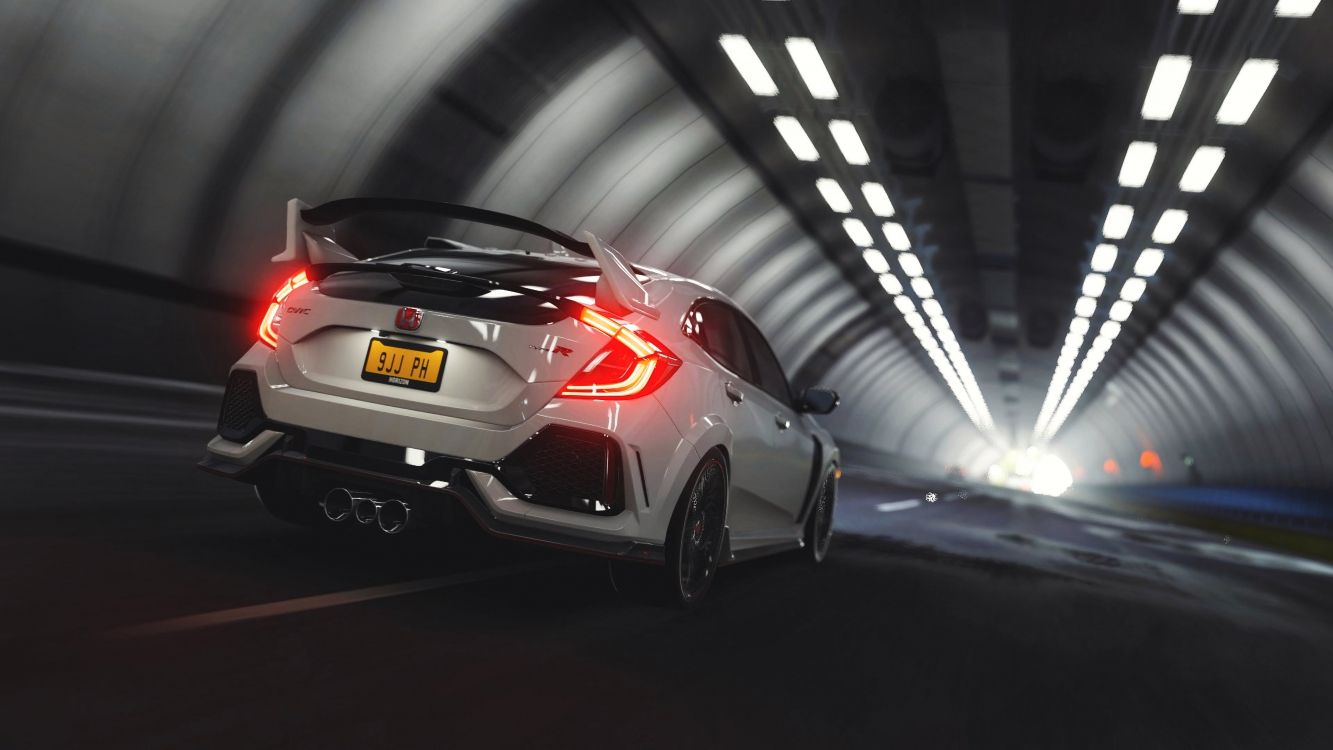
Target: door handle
x=733 y=392
x=781 y=421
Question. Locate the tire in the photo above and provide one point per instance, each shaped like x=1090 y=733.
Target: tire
x=286 y=504
x=695 y=536
x=819 y=526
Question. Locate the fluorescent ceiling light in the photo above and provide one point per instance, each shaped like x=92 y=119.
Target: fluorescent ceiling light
x=1074 y=339
x=1246 y=91
x=1133 y=289
x=940 y=322
x=1118 y=218
x=897 y=236
x=1295 y=8
x=904 y=303
x=791 y=131
x=1138 y=161
x=1085 y=307
x=1169 y=226
x=1099 y=344
x=1168 y=80
x=922 y=288
x=910 y=264
x=811 y=67
x=1202 y=168
x=927 y=342
x=891 y=284
x=833 y=195
x=1095 y=357
x=932 y=307
x=1093 y=285
x=878 y=198
x=875 y=259
x=1120 y=310
x=748 y=64
x=1079 y=326
x=1110 y=329
x=914 y=320
x=947 y=335
x=1196 y=7
x=952 y=348
x=858 y=232
x=1103 y=258
x=844 y=134
x=1149 y=261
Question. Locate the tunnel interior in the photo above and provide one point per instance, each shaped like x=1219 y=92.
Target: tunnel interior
x=1079 y=249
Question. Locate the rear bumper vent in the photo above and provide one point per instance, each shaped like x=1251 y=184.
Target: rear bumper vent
x=242 y=415
x=569 y=468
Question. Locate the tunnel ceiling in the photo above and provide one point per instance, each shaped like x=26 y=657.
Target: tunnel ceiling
x=162 y=138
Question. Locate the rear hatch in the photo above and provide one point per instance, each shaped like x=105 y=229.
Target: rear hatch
x=491 y=356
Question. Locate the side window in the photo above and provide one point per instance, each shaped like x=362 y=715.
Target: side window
x=768 y=371
x=717 y=330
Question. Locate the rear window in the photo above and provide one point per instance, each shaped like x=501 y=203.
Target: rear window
x=575 y=281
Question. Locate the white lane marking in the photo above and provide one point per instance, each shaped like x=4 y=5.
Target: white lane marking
x=322 y=601
x=48 y=372
x=897 y=505
x=88 y=416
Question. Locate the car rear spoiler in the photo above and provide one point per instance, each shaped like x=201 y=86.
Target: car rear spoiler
x=619 y=291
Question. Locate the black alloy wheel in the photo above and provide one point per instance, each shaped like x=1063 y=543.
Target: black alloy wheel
x=694 y=545
x=819 y=527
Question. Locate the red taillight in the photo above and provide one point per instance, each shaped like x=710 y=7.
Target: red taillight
x=266 y=332
x=634 y=364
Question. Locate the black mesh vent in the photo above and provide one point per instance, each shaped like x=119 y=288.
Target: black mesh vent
x=567 y=468
x=242 y=415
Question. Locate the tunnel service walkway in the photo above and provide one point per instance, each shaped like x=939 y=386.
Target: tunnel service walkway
x=149 y=605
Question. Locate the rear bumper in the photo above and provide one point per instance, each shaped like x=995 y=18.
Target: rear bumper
x=439 y=485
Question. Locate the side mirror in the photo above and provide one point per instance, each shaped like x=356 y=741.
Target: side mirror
x=819 y=400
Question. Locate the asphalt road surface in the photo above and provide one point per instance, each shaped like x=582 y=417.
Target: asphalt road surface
x=145 y=604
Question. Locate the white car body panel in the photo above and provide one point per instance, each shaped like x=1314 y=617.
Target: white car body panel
x=499 y=388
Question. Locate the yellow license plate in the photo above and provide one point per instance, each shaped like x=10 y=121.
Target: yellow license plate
x=401 y=363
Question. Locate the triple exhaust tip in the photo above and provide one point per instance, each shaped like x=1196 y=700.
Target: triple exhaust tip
x=392 y=515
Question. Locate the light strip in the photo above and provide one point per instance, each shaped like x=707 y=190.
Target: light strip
x=1103 y=258
x=922 y=287
x=896 y=236
x=878 y=198
x=1118 y=219
x=791 y=131
x=833 y=195
x=1138 y=162
x=1169 y=226
x=811 y=67
x=1201 y=168
x=891 y=284
x=910 y=264
x=875 y=259
x=857 y=232
x=849 y=142
x=1168 y=80
x=1149 y=261
x=1246 y=91
x=1295 y=8
x=1133 y=289
x=748 y=64
x=1196 y=7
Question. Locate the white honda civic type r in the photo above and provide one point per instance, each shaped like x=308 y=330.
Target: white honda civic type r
x=565 y=398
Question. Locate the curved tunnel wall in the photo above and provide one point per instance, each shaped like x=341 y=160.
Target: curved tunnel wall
x=1240 y=375
x=164 y=138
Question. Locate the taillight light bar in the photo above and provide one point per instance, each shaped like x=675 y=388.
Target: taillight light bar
x=634 y=363
x=267 y=333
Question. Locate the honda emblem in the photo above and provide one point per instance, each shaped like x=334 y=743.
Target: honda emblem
x=408 y=318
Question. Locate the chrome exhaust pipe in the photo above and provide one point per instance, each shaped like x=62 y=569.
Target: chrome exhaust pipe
x=394 y=516
x=366 y=510
x=339 y=502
